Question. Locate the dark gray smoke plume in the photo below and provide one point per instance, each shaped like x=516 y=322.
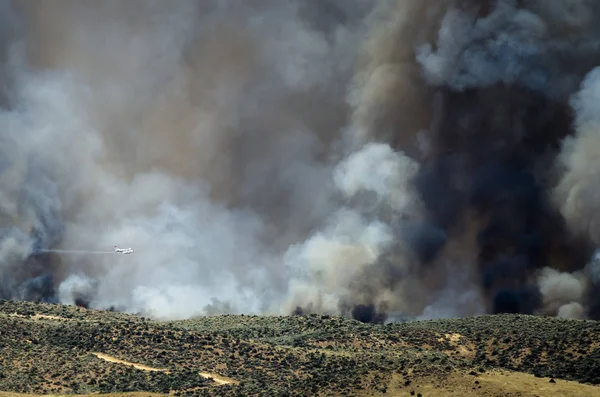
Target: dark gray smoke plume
x=378 y=160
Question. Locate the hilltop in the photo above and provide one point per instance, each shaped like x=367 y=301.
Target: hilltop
x=56 y=349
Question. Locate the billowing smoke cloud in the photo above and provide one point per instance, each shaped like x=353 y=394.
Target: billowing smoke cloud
x=407 y=158
x=198 y=132
x=577 y=193
x=477 y=93
x=346 y=260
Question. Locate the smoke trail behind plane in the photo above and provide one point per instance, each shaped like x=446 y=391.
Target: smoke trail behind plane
x=82 y=252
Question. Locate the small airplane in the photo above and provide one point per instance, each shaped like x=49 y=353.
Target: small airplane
x=123 y=250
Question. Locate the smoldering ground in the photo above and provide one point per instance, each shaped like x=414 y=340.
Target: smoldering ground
x=375 y=160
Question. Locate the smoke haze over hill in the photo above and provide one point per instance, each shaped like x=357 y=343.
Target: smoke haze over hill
x=371 y=159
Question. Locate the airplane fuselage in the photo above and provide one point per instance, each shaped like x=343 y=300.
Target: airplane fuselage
x=123 y=250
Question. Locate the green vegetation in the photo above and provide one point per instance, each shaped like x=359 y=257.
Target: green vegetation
x=49 y=349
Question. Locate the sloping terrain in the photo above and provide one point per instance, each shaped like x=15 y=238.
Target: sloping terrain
x=63 y=350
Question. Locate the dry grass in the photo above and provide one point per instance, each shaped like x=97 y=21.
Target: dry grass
x=218 y=379
x=111 y=359
x=130 y=394
x=494 y=383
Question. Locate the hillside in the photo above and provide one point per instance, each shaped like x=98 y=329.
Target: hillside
x=54 y=349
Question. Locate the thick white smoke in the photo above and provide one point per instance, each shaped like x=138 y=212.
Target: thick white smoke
x=578 y=192
x=327 y=265
x=198 y=133
x=562 y=293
